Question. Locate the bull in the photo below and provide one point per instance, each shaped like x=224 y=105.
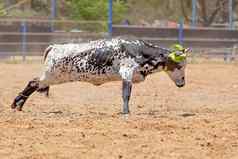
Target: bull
x=101 y=61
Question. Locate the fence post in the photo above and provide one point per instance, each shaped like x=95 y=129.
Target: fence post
x=53 y=15
x=110 y=17
x=231 y=14
x=23 y=39
x=180 y=36
x=234 y=52
x=194 y=12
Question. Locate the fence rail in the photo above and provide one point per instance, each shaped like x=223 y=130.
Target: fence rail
x=11 y=43
x=37 y=37
x=30 y=37
x=193 y=37
x=209 y=42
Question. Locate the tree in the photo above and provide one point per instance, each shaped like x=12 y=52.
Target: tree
x=151 y=10
x=97 y=10
x=2 y=12
x=215 y=11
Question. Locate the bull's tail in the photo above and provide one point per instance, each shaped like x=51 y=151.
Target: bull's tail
x=45 y=90
x=46 y=52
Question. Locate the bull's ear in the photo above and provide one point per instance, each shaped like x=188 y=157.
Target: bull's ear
x=176 y=47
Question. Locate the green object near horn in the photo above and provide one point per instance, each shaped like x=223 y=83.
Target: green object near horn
x=177 y=58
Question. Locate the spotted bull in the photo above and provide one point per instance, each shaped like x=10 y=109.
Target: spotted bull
x=106 y=60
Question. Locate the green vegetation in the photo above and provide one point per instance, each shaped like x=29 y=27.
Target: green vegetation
x=2 y=13
x=97 y=10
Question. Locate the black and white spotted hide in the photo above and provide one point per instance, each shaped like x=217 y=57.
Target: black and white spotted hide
x=99 y=62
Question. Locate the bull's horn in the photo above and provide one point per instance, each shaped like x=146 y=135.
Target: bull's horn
x=187 y=50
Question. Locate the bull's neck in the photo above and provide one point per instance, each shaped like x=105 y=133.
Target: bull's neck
x=156 y=58
x=154 y=50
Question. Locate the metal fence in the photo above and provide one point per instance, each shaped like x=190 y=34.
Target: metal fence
x=207 y=41
x=31 y=37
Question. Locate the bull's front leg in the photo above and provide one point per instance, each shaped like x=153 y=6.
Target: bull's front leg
x=126 y=94
x=126 y=71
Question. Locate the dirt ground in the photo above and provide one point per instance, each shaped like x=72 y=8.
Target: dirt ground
x=82 y=121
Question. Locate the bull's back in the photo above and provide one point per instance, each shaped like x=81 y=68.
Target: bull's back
x=79 y=62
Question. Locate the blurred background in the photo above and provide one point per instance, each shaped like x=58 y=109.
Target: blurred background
x=27 y=27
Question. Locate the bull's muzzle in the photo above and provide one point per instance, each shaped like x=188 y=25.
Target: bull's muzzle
x=180 y=82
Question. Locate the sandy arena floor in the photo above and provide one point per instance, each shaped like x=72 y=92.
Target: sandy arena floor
x=81 y=121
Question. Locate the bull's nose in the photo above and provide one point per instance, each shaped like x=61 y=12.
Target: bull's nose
x=180 y=83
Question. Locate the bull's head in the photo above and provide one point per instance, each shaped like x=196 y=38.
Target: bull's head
x=176 y=63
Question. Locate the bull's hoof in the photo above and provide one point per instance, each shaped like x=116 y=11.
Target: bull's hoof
x=18 y=103
x=125 y=112
x=19 y=108
x=125 y=116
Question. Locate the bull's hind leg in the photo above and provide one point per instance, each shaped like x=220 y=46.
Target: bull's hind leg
x=30 y=88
